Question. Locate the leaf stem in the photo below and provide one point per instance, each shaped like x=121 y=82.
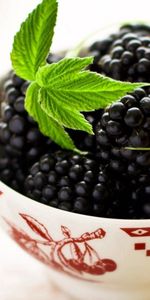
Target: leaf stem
x=137 y=149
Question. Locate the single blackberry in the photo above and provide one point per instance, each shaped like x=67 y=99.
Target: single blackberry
x=124 y=55
x=124 y=125
x=11 y=172
x=19 y=133
x=77 y=184
x=62 y=180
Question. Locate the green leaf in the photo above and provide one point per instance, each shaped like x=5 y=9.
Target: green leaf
x=67 y=66
x=48 y=126
x=33 y=41
x=63 y=114
x=78 y=89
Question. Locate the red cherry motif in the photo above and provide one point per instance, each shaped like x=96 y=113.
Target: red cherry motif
x=75 y=264
x=109 y=265
x=83 y=257
x=97 y=269
x=83 y=267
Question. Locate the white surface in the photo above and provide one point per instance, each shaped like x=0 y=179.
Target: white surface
x=21 y=277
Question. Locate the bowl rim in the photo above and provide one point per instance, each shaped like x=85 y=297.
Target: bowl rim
x=68 y=213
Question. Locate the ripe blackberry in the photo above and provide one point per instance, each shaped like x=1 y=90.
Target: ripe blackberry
x=11 y=172
x=62 y=180
x=126 y=124
x=77 y=184
x=126 y=56
x=19 y=134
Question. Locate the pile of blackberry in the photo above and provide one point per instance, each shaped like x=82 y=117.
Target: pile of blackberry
x=124 y=55
x=113 y=179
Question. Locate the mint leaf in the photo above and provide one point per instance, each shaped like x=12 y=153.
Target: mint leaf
x=48 y=126
x=80 y=89
x=49 y=74
x=33 y=41
x=63 y=114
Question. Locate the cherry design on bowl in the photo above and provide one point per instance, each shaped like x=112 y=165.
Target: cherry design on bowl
x=72 y=255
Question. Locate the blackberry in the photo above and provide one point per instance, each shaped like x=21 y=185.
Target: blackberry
x=76 y=184
x=11 y=172
x=125 y=125
x=62 y=180
x=19 y=134
x=124 y=55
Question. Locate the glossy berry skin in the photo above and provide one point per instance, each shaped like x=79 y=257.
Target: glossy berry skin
x=127 y=55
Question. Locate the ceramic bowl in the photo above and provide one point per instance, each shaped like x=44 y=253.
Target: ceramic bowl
x=88 y=257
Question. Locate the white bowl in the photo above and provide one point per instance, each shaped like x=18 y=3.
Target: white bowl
x=88 y=257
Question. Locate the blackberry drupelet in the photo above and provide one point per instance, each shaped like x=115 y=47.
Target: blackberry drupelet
x=124 y=55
